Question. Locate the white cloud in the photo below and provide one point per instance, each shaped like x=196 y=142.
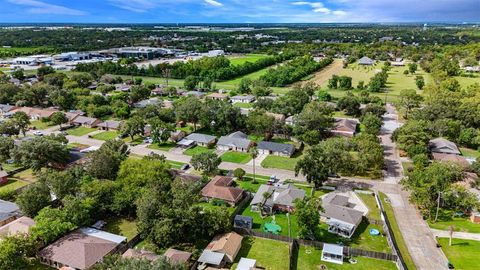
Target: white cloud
x=134 y=5
x=213 y=3
x=39 y=7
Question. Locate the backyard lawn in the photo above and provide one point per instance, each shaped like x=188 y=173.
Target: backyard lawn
x=121 y=226
x=371 y=203
x=106 y=135
x=198 y=150
x=207 y=205
x=310 y=258
x=280 y=219
x=402 y=246
x=26 y=175
x=278 y=162
x=243 y=105
x=463 y=254
x=167 y=146
x=270 y=254
x=236 y=157
x=460 y=224
x=80 y=131
x=469 y=152
x=11 y=185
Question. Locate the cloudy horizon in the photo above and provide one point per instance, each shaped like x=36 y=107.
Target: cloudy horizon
x=238 y=11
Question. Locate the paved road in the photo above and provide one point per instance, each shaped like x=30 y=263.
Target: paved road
x=459 y=235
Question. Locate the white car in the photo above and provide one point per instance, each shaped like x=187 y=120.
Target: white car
x=38 y=133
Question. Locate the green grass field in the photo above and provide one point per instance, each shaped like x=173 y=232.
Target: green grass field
x=270 y=254
x=371 y=203
x=198 y=150
x=460 y=224
x=175 y=164
x=469 y=152
x=278 y=162
x=280 y=219
x=80 y=131
x=249 y=57
x=402 y=245
x=236 y=157
x=26 y=175
x=463 y=254
x=106 y=135
x=12 y=184
x=40 y=125
x=167 y=146
x=310 y=258
x=121 y=226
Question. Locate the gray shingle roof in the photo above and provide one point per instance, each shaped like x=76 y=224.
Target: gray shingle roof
x=276 y=147
x=234 y=142
x=441 y=145
x=200 y=138
x=110 y=124
x=366 y=61
x=344 y=214
x=84 y=120
x=283 y=195
x=8 y=209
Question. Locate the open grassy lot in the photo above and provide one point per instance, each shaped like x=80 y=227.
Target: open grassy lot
x=40 y=125
x=242 y=59
x=167 y=146
x=226 y=207
x=280 y=219
x=278 y=162
x=236 y=157
x=402 y=245
x=122 y=226
x=198 y=150
x=270 y=254
x=371 y=203
x=463 y=254
x=175 y=164
x=460 y=224
x=106 y=135
x=469 y=152
x=80 y=131
x=310 y=258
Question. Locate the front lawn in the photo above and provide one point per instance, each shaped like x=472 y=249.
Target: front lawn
x=460 y=224
x=166 y=146
x=280 y=219
x=310 y=258
x=371 y=203
x=470 y=152
x=236 y=157
x=40 y=125
x=243 y=105
x=270 y=254
x=26 y=175
x=106 y=135
x=247 y=183
x=121 y=226
x=402 y=246
x=463 y=254
x=278 y=162
x=198 y=150
x=175 y=164
x=80 y=131
x=11 y=185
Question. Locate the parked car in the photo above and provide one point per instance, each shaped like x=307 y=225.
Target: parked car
x=38 y=133
x=273 y=179
x=148 y=140
x=185 y=167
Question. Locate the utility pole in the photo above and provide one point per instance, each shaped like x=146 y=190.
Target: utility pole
x=438 y=205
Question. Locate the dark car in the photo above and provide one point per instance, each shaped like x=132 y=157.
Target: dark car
x=185 y=167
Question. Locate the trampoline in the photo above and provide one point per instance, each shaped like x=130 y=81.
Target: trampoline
x=272 y=227
x=374 y=232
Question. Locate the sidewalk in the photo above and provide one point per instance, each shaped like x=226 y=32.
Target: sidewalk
x=459 y=235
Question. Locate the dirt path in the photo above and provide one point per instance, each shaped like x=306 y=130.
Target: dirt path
x=322 y=76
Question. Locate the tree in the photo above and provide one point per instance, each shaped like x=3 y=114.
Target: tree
x=333 y=82
x=18 y=74
x=351 y=105
x=189 y=110
x=133 y=126
x=139 y=92
x=412 y=68
x=15 y=251
x=62 y=183
x=33 y=199
x=21 y=121
x=253 y=151
x=409 y=99
x=314 y=122
x=58 y=118
x=191 y=82
x=259 y=123
x=9 y=128
x=105 y=162
x=119 y=263
x=308 y=217
x=222 y=117
x=160 y=131
x=50 y=224
x=45 y=70
x=372 y=124
x=244 y=87
x=6 y=145
x=239 y=173
x=41 y=152
x=420 y=82
x=207 y=162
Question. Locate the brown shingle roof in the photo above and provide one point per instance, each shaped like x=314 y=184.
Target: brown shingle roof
x=442 y=157
x=220 y=188
x=21 y=225
x=177 y=256
x=228 y=243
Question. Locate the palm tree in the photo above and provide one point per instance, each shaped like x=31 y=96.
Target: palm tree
x=254 y=154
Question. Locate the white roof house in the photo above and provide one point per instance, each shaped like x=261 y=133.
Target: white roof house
x=246 y=264
x=332 y=253
x=103 y=235
x=211 y=257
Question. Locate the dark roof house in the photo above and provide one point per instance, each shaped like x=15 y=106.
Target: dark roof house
x=220 y=187
x=281 y=198
x=441 y=145
x=273 y=148
x=236 y=141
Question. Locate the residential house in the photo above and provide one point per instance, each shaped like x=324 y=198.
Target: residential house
x=280 y=198
x=196 y=94
x=35 y=113
x=123 y=87
x=110 y=125
x=218 y=96
x=399 y=62
x=242 y=99
x=148 y=102
x=175 y=256
x=198 y=139
x=176 y=136
x=366 y=61
x=290 y=120
x=247 y=264
x=451 y=158
x=185 y=177
x=345 y=127
x=5 y=108
x=21 y=225
x=441 y=145
x=9 y=211
x=85 y=121
x=3 y=177
x=332 y=253
x=71 y=115
x=81 y=249
x=236 y=141
x=340 y=215
x=222 y=250
x=278 y=116
x=140 y=254
x=277 y=149
x=221 y=188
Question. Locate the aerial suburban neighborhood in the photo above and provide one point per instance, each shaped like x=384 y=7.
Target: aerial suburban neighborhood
x=311 y=138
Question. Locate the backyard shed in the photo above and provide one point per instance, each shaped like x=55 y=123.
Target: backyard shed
x=332 y=253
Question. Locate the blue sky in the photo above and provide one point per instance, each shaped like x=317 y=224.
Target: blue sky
x=238 y=11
